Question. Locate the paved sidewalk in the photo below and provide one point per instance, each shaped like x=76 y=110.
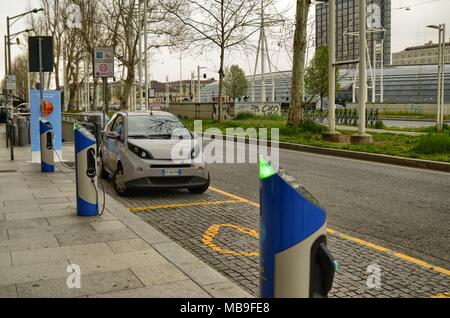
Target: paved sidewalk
x=119 y=254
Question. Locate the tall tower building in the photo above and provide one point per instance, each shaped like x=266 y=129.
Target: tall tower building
x=347 y=26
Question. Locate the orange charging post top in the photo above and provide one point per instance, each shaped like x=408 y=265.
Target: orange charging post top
x=46 y=108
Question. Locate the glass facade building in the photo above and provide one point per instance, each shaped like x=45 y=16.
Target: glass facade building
x=347 y=26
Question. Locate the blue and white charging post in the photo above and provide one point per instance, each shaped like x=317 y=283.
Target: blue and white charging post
x=47 y=145
x=295 y=261
x=86 y=171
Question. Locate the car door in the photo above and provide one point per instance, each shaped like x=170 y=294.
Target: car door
x=113 y=145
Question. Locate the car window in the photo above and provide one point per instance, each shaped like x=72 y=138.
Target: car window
x=110 y=123
x=154 y=126
x=118 y=125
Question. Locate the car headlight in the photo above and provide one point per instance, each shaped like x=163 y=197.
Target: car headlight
x=141 y=153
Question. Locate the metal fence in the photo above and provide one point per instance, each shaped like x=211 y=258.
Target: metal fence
x=345 y=117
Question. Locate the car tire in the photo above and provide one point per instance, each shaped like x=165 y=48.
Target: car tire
x=101 y=168
x=119 y=182
x=200 y=189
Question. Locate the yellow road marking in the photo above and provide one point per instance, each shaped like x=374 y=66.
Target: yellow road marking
x=230 y=195
x=443 y=295
x=356 y=240
x=178 y=205
x=213 y=230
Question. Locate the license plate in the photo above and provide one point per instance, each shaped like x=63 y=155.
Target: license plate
x=171 y=172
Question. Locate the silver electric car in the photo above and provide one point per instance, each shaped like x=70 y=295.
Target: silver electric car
x=151 y=150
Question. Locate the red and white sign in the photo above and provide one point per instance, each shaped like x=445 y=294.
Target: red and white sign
x=103 y=62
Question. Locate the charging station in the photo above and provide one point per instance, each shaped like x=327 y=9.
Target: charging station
x=295 y=261
x=47 y=145
x=86 y=171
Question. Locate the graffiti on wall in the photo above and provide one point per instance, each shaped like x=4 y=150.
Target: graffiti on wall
x=261 y=109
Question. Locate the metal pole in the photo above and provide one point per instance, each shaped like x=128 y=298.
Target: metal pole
x=41 y=75
x=443 y=77
x=11 y=117
x=331 y=66
x=438 y=122
x=362 y=67
x=140 y=55
x=263 y=57
x=145 y=55
x=105 y=100
x=382 y=73
x=181 y=76
x=198 y=84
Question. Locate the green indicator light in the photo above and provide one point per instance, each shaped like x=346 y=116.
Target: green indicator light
x=265 y=169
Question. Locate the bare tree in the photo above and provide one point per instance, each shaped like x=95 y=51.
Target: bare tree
x=298 y=69
x=222 y=23
x=122 y=23
x=20 y=69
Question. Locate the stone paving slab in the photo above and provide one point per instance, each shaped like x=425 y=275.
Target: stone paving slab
x=8 y=291
x=96 y=283
x=183 y=289
x=28 y=244
x=58 y=253
x=32 y=272
x=5 y=259
x=28 y=232
x=94 y=237
x=131 y=245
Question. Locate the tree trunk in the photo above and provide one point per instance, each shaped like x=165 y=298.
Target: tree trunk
x=298 y=70
x=72 y=97
x=127 y=90
x=94 y=98
x=221 y=75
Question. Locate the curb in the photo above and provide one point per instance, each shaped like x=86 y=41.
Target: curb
x=393 y=160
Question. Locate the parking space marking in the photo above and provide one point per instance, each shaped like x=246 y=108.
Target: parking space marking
x=179 y=205
x=355 y=240
x=213 y=230
x=230 y=195
x=443 y=295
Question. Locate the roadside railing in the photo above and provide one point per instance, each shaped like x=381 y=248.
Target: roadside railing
x=345 y=117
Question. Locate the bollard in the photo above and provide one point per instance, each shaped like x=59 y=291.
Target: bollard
x=295 y=261
x=47 y=148
x=86 y=172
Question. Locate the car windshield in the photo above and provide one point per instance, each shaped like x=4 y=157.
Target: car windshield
x=156 y=127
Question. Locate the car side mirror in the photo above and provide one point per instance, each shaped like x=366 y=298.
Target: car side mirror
x=112 y=135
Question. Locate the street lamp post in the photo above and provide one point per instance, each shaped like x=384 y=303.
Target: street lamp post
x=331 y=134
x=441 y=75
x=361 y=137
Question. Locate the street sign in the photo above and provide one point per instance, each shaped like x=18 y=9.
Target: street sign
x=104 y=62
x=45 y=45
x=11 y=82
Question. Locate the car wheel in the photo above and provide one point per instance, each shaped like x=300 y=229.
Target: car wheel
x=103 y=173
x=201 y=189
x=119 y=182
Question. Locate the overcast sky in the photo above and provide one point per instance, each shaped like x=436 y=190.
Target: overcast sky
x=408 y=29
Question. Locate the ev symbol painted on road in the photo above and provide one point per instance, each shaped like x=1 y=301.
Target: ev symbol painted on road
x=213 y=230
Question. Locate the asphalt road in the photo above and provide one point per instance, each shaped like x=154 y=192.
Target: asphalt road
x=407 y=210
x=408 y=123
